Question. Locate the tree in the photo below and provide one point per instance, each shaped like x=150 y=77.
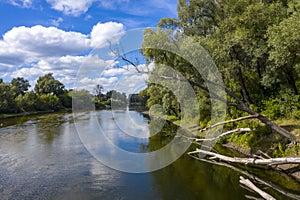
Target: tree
x=284 y=43
x=197 y=17
x=19 y=86
x=236 y=34
x=82 y=100
x=138 y=99
x=116 y=99
x=66 y=98
x=30 y=101
x=99 y=88
x=7 y=101
x=51 y=102
x=47 y=84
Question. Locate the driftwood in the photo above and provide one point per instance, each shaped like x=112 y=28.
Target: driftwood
x=255 y=161
x=251 y=176
x=253 y=187
x=223 y=134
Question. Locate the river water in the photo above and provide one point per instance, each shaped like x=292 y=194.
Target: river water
x=42 y=157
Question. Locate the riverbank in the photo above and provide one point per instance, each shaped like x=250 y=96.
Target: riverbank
x=260 y=143
x=15 y=115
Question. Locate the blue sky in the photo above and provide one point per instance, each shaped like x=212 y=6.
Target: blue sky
x=41 y=36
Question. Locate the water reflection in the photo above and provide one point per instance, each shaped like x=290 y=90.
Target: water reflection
x=43 y=158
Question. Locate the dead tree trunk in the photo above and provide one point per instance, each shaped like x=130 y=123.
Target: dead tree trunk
x=254 y=161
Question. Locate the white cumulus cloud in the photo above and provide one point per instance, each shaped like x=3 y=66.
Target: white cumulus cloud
x=78 y=7
x=31 y=52
x=71 y=7
x=26 y=44
x=104 y=32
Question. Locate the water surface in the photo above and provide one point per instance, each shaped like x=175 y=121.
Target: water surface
x=42 y=157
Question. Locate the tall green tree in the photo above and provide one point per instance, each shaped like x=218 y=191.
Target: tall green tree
x=19 y=86
x=98 y=90
x=7 y=101
x=242 y=36
x=284 y=44
x=197 y=17
x=47 y=84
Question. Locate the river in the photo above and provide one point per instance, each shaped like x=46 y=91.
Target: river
x=42 y=157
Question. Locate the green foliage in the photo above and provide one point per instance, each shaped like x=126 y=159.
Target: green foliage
x=100 y=104
x=244 y=139
x=164 y=97
x=30 y=101
x=279 y=150
x=285 y=105
x=138 y=99
x=255 y=45
x=50 y=95
x=7 y=102
x=292 y=150
x=197 y=17
x=48 y=85
x=50 y=102
x=284 y=45
x=66 y=98
x=19 y=86
x=116 y=99
x=82 y=99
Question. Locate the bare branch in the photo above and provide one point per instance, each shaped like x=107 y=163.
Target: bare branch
x=223 y=134
x=250 y=185
x=226 y=122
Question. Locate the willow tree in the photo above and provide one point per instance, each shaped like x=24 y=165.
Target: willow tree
x=242 y=37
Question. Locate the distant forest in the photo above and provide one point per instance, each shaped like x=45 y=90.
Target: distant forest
x=50 y=94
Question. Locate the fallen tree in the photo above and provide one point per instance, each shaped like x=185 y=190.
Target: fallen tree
x=250 y=176
x=254 y=161
x=253 y=187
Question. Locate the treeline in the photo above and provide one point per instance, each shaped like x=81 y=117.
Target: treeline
x=50 y=94
x=112 y=98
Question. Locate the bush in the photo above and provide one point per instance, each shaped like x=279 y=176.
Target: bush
x=50 y=102
x=286 y=105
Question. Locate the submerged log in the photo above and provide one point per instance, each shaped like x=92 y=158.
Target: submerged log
x=253 y=187
x=255 y=161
